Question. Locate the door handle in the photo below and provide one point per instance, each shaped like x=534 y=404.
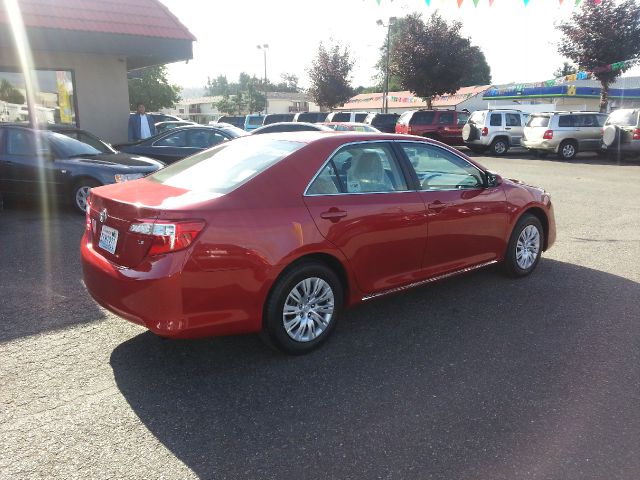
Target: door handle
x=507 y=128
x=333 y=214
x=436 y=206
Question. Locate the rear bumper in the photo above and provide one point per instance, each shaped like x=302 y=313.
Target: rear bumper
x=540 y=145
x=173 y=297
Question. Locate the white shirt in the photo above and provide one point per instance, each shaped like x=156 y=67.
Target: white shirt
x=145 y=131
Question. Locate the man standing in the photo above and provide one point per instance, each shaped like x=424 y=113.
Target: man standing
x=141 y=126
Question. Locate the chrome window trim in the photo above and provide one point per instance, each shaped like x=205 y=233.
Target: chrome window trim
x=330 y=157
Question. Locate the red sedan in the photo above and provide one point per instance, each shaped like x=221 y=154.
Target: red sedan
x=279 y=232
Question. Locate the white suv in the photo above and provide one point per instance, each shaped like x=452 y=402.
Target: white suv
x=494 y=130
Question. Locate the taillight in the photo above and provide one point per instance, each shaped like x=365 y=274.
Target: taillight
x=636 y=134
x=548 y=135
x=485 y=131
x=409 y=129
x=168 y=236
x=88 y=215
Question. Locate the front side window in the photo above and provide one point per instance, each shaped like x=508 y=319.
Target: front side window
x=226 y=166
x=361 y=168
x=462 y=118
x=21 y=142
x=439 y=169
x=495 y=120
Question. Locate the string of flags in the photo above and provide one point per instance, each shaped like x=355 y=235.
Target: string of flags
x=526 y=2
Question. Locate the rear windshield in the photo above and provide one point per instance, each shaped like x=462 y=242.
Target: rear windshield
x=624 y=118
x=538 y=121
x=226 y=167
x=341 y=117
x=477 y=117
x=254 y=121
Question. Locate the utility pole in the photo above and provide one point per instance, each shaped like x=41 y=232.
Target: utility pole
x=264 y=48
x=385 y=93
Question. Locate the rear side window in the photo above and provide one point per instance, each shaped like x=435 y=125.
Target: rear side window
x=589 y=120
x=422 y=118
x=360 y=117
x=495 y=120
x=227 y=166
x=565 y=121
x=20 y=142
x=538 y=121
x=341 y=117
x=513 y=120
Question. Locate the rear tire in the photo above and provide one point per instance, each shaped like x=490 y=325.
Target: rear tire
x=80 y=193
x=499 y=147
x=302 y=309
x=568 y=150
x=525 y=247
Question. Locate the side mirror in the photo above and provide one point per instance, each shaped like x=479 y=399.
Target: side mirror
x=492 y=179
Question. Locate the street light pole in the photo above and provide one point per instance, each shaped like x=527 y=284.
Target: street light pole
x=264 y=48
x=385 y=93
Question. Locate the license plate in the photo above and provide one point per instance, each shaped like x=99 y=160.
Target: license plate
x=108 y=239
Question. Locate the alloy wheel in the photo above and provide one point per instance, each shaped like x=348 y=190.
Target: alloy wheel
x=527 y=247
x=308 y=309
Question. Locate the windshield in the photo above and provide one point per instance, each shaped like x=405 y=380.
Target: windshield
x=253 y=121
x=226 y=167
x=70 y=147
x=623 y=118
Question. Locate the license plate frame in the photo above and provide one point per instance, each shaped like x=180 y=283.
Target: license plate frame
x=108 y=239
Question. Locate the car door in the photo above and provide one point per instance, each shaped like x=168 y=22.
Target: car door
x=589 y=131
x=467 y=222
x=514 y=127
x=361 y=203
x=28 y=165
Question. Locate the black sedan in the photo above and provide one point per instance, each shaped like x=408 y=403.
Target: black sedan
x=35 y=162
x=179 y=143
x=291 y=127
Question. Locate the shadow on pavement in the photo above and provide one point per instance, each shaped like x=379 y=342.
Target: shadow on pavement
x=479 y=377
x=40 y=283
x=586 y=158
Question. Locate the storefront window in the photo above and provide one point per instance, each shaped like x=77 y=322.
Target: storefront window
x=54 y=98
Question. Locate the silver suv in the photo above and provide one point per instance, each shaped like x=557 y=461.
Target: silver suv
x=494 y=130
x=564 y=133
x=621 y=133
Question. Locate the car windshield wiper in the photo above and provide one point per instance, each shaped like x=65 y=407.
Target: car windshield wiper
x=77 y=155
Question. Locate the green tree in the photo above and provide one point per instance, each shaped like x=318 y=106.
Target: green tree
x=479 y=71
x=600 y=35
x=217 y=86
x=432 y=58
x=226 y=105
x=153 y=89
x=564 y=70
x=330 y=76
x=9 y=93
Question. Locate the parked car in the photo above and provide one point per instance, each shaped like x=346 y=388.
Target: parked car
x=564 y=133
x=346 y=117
x=277 y=118
x=164 y=126
x=621 y=133
x=179 y=143
x=384 y=122
x=350 y=127
x=33 y=161
x=236 y=121
x=494 y=130
x=311 y=117
x=442 y=125
x=280 y=233
x=291 y=127
x=251 y=122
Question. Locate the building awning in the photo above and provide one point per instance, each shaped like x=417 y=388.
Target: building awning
x=144 y=32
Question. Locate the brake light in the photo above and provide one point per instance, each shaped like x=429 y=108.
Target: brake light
x=409 y=129
x=485 y=131
x=168 y=236
x=636 y=134
x=88 y=214
x=548 y=135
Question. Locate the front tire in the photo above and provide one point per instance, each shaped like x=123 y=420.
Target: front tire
x=525 y=247
x=80 y=193
x=302 y=309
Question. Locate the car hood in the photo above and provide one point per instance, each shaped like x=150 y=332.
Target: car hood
x=120 y=159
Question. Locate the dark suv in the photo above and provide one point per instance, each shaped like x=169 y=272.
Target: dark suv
x=311 y=117
x=385 y=122
x=277 y=118
x=443 y=125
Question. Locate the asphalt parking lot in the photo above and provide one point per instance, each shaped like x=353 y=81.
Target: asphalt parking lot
x=477 y=377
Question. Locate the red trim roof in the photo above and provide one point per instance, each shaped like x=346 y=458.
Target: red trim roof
x=146 y=18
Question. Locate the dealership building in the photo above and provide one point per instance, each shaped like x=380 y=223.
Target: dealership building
x=79 y=53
